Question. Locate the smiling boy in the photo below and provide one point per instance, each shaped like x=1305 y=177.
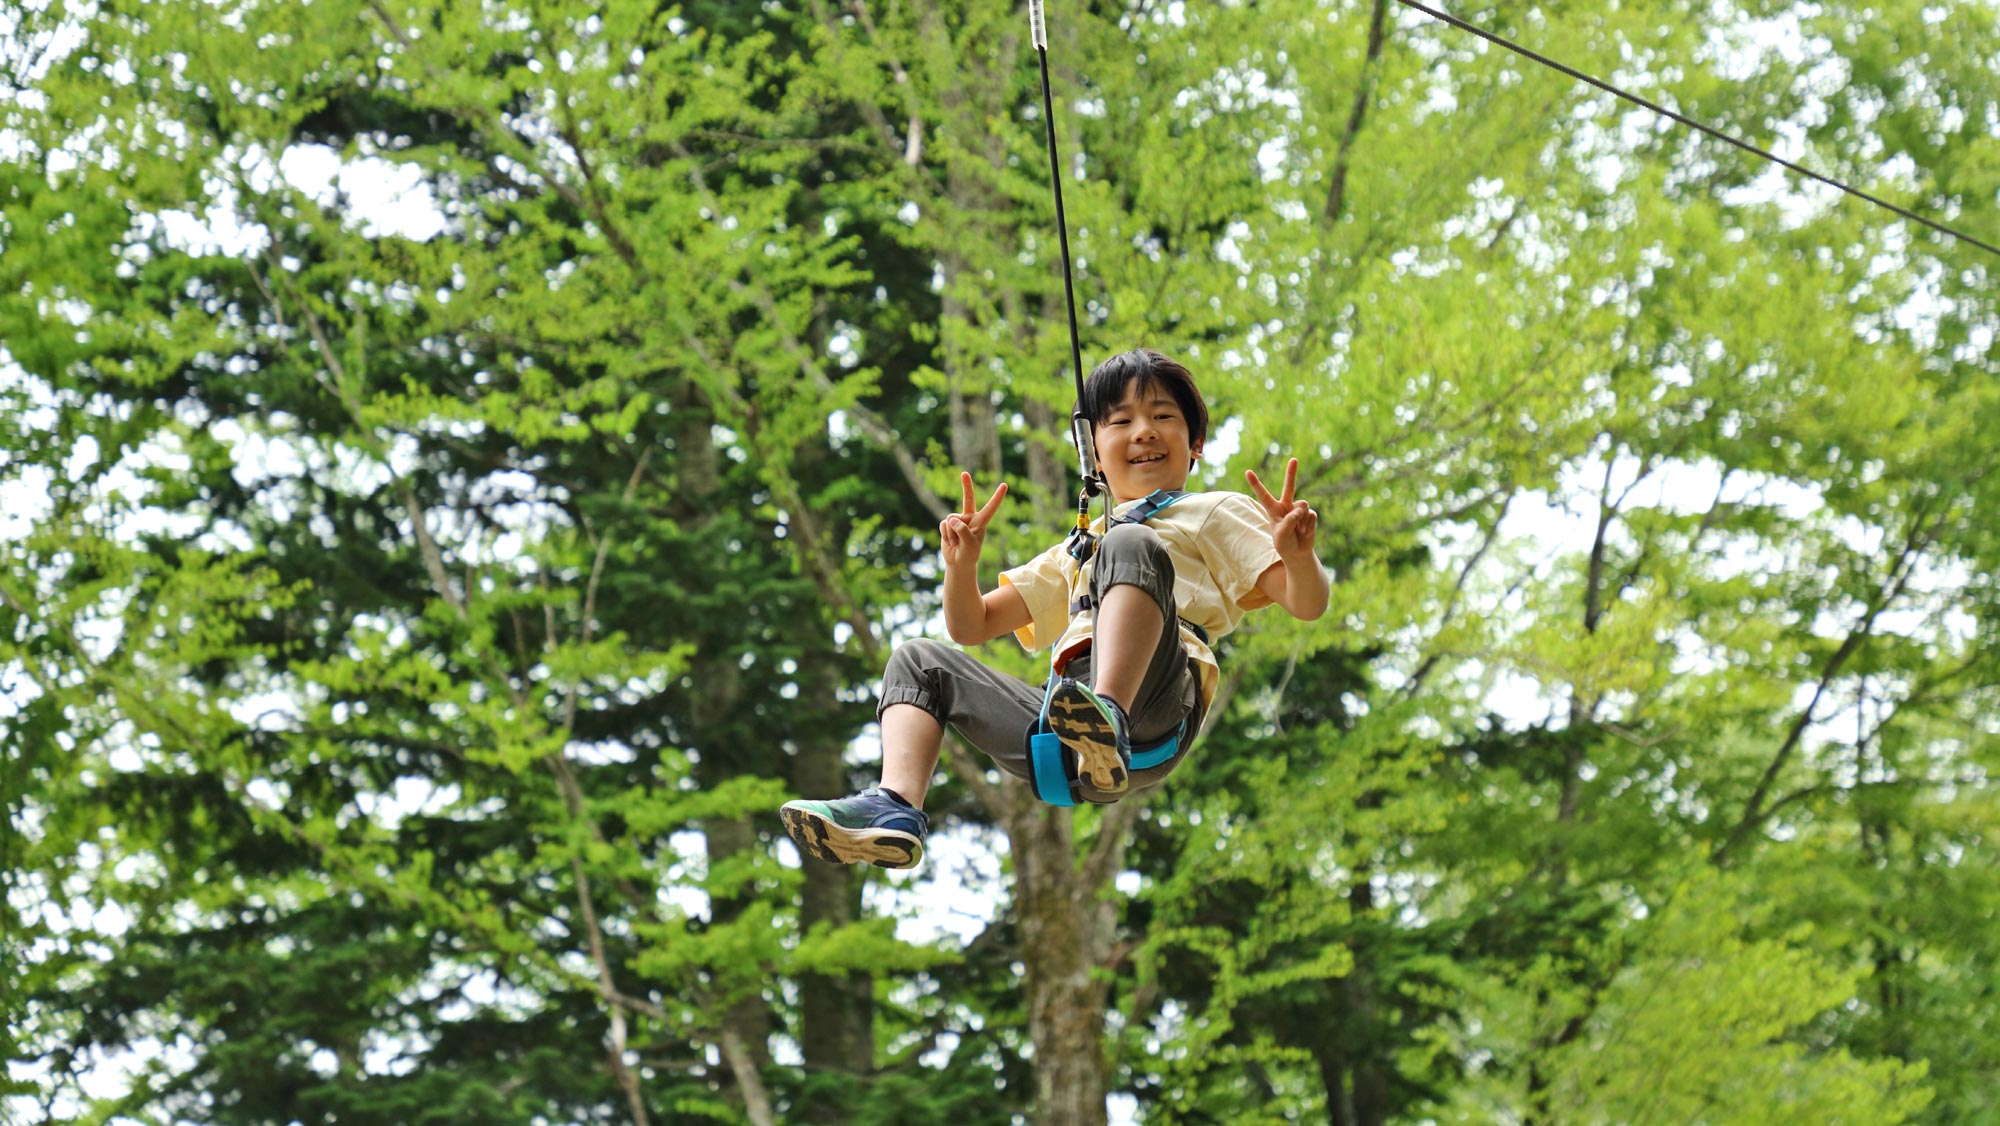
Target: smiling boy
x=1132 y=626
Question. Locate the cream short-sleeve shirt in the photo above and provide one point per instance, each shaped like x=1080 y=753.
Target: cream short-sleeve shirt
x=1220 y=543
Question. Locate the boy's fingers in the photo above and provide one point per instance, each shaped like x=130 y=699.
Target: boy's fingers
x=1263 y=494
x=993 y=505
x=965 y=482
x=1291 y=481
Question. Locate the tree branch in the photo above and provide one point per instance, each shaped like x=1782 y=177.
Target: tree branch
x=628 y=1082
x=1754 y=810
x=743 y=1064
x=596 y=573
x=1114 y=836
x=913 y=145
x=1336 y=196
x=968 y=770
x=1593 y=589
x=1429 y=664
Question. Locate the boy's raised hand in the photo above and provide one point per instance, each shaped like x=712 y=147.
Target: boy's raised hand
x=1294 y=525
x=963 y=533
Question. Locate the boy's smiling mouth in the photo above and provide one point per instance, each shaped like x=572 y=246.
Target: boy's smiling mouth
x=1147 y=459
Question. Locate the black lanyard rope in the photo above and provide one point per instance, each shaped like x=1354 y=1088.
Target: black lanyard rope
x=1079 y=427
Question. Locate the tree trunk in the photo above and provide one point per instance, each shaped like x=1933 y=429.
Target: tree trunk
x=1045 y=472
x=748 y=1019
x=1357 y=1088
x=745 y=1028
x=1065 y=927
x=837 y=1011
x=1066 y=923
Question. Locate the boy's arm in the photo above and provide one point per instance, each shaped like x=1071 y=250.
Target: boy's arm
x=969 y=617
x=1297 y=581
x=1298 y=584
x=972 y=618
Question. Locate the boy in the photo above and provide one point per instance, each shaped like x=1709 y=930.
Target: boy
x=1134 y=671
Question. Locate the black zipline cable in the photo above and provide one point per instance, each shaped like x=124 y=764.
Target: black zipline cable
x=1080 y=427
x=1685 y=120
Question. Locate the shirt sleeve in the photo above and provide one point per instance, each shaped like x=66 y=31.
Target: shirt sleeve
x=1236 y=544
x=1044 y=586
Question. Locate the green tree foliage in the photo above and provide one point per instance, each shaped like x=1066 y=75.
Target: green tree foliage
x=1440 y=866
x=413 y=616
x=402 y=715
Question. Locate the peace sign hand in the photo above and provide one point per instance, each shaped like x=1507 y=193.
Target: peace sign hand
x=963 y=533
x=1294 y=525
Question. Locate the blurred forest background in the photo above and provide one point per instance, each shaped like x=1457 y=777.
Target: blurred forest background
x=465 y=464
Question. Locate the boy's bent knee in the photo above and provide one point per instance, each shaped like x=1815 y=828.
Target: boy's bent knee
x=1135 y=555
x=1133 y=539
x=917 y=653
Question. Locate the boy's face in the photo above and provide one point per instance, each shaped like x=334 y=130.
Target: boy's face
x=1142 y=443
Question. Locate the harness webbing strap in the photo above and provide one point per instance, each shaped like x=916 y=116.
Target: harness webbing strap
x=1083 y=544
x=1050 y=761
x=1052 y=765
x=1146 y=760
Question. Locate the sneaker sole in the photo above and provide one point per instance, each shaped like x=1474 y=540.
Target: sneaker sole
x=824 y=839
x=1084 y=728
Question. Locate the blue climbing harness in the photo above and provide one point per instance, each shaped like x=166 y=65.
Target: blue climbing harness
x=1053 y=766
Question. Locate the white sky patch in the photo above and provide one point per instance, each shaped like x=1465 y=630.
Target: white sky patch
x=1223 y=442
x=24 y=489
x=675 y=889
x=216 y=230
x=393 y=197
x=410 y=796
x=258 y=457
x=958 y=891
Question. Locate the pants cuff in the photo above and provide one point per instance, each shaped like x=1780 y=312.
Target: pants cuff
x=907 y=694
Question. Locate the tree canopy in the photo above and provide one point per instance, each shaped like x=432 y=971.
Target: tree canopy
x=465 y=465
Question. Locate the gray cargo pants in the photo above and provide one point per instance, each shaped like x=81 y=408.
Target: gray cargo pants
x=993 y=710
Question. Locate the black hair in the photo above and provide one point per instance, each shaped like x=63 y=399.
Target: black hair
x=1110 y=380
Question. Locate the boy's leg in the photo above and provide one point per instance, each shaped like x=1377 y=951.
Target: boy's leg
x=929 y=684
x=1135 y=662
x=911 y=738
x=926 y=686
x=1135 y=652
x=1128 y=634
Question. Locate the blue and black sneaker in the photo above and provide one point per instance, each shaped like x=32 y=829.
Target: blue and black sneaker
x=872 y=827
x=1095 y=729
